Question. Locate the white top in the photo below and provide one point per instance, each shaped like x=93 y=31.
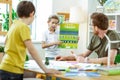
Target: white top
x=48 y=37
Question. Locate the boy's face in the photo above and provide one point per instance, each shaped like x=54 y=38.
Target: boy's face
x=52 y=24
x=31 y=17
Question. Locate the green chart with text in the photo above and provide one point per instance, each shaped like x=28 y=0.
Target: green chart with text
x=69 y=35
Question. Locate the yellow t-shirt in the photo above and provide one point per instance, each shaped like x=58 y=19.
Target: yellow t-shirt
x=15 y=49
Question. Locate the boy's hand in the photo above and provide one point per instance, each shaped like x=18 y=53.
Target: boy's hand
x=58 y=42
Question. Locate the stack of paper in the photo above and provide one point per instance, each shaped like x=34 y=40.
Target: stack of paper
x=86 y=66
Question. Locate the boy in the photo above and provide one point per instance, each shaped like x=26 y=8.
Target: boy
x=50 y=38
x=17 y=40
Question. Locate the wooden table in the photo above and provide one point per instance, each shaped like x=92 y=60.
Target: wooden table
x=63 y=77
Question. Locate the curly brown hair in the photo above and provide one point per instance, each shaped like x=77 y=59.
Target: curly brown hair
x=100 y=20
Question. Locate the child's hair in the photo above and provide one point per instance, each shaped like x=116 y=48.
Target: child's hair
x=53 y=17
x=24 y=9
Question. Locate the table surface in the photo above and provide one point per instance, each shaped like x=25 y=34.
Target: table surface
x=32 y=66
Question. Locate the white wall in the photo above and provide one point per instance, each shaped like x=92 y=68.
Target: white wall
x=64 y=5
x=37 y=45
x=43 y=11
x=92 y=5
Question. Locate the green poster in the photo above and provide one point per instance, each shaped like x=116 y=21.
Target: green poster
x=69 y=35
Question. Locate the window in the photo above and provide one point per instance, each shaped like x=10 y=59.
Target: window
x=2 y=10
x=43 y=11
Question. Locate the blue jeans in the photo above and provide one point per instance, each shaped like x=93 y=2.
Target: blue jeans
x=4 y=75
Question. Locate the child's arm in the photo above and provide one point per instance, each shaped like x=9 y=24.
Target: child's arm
x=37 y=57
x=45 y=45
x=5 y=40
